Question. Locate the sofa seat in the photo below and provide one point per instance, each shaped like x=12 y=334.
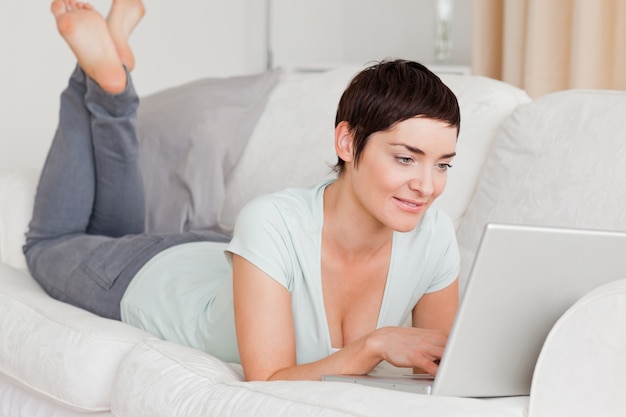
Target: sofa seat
x=162 y=379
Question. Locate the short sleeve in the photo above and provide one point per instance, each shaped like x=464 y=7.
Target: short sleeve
x=446 y=262
x=261 y=236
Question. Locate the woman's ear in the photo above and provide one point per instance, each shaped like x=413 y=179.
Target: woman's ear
x=344 y=142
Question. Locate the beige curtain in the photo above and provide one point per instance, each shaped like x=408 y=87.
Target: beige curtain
x=549 y=45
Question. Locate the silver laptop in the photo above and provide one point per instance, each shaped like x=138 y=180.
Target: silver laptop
x=523 y=279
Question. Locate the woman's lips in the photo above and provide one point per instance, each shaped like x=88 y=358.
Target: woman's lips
x=410 y=206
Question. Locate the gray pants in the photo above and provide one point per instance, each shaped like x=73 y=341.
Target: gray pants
x=86 y=239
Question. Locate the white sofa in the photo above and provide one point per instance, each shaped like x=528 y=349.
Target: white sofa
x=557 y=160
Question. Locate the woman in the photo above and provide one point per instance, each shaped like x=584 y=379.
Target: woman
x=321 y=278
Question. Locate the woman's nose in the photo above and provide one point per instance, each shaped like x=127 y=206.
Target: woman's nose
x=422 y=182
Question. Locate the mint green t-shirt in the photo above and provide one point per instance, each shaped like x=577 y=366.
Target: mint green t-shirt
x=184 y=294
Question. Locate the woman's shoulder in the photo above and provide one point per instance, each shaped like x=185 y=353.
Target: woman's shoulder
x=290 y=198
x=298 y=195
x=291 y=204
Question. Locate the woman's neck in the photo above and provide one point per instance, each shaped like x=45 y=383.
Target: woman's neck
x=348 y=226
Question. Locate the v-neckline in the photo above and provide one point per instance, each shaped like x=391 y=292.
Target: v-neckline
x=320 y=289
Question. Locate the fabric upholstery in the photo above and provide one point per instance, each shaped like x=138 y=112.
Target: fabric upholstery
x=191 y=137
x=61 y=352
x=557 y=161
x=160 y=379
x=16 y=401
x=17 y=196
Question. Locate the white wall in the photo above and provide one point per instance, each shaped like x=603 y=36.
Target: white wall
x=177 y=41
x=182 y=40
x=325 y=33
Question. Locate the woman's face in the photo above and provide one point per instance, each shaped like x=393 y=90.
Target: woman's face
x=403 y=170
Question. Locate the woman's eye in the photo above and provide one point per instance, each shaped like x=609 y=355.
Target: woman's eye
x=404 y=160
x=444 y=167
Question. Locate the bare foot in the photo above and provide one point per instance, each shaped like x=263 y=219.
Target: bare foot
x=122 y=19
x=87 y=34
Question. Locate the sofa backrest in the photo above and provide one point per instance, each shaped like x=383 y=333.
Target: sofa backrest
x=557 y=161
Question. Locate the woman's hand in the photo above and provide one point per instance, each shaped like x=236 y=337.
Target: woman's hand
x=409 y=347
x=419 y=347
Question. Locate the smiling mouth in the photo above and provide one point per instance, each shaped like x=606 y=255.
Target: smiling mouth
x=409 y=205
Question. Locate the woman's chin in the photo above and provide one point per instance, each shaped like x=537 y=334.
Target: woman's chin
x=407 y=225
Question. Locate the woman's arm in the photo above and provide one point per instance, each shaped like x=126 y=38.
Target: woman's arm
x=437 y=311
x=266 y=336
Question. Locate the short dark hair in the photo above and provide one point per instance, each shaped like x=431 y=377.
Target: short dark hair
x=390 y=92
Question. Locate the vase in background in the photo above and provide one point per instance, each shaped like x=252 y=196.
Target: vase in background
x=443 y=30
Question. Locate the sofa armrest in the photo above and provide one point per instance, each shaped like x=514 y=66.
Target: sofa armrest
x=17 y=195
x=580 y=371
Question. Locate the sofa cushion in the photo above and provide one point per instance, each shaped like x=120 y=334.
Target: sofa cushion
x=58 y=351
x=191 y=137
x=292 y=145
x=557 y=161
